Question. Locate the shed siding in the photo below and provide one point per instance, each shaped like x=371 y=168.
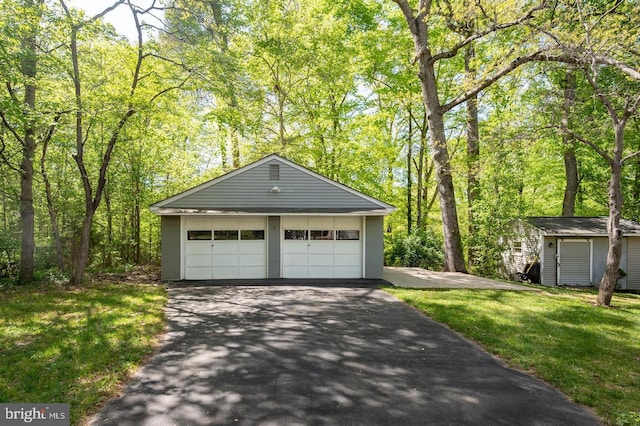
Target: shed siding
x=549 y=264
x=273 y=247
x=633 y=263
x=170 y=248
x=374 y=247
x=252 y=190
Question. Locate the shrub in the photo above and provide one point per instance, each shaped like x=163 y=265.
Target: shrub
x=419 y=249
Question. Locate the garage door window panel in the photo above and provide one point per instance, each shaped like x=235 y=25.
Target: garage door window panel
x=196 y=235
x=323 y=235
x=252 y=235
x=349 y=235
x=225 y=235
x=296 y=234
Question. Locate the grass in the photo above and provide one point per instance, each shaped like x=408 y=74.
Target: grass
x=76 y=346
x=591 y=354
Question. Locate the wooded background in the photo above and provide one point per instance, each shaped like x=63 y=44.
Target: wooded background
x=463 y=114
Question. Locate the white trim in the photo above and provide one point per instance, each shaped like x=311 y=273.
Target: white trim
x=193 y=212
x=363 y=247
x=183 y=246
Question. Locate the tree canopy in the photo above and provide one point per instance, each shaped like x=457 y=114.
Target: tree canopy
x=464 y=115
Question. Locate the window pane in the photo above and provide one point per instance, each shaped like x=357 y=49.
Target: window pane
x=322 y=235
x=225 y=235
x=198 y=235
x=295 y=234
x=349 y=235
x=252 y=235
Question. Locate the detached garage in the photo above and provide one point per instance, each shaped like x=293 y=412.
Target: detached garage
x=271 y=219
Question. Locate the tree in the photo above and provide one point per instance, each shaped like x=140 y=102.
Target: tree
x=596 y=37
x=24 y=128
x=422 y=25
x=130 y=97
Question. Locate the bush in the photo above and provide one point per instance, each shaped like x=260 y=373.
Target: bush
x=420 y=249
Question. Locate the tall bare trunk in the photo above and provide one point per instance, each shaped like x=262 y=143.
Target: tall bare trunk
x=473 y=153
x=569 y=144
x=614 y=253
x=53 y=216
x=453 y=252
x=409 y=166
x=28 y=67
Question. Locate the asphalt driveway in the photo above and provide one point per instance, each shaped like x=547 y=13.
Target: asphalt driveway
x=324 y=356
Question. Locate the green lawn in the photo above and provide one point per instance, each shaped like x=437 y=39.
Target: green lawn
x=76 y=346
x=591 y=354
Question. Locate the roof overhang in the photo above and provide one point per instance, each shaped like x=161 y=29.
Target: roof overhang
x=271 y=212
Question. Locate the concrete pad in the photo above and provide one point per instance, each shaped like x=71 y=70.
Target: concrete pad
x=423 y=278
x=264 y=355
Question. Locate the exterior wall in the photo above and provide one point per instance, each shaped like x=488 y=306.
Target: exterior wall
x=549 y=261
x=633 y=263
x=374 y=247
x=273 y=247
x=522 y=247
x=251 y=190
x=170 y=245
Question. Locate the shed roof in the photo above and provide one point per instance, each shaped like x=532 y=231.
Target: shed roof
x=256 y=189
x=580 y=226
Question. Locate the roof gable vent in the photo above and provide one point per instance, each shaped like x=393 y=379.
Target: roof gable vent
x=274 y=172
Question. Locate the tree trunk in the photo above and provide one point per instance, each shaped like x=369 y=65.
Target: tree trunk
x=409 y=165
x=28 y=67
x=53 y=217
x=82 y=254
x=453 y=252
x=614 y=253
x=473 y=153
x=570 y=160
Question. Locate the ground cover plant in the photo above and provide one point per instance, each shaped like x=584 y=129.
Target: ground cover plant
x=591 y=354
x=78 y=345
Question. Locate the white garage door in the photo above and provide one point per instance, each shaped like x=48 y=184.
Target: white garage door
x=225 y=248
x=321 y=247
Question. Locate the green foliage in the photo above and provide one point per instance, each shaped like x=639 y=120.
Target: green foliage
x=420 y=249
x=556 y=334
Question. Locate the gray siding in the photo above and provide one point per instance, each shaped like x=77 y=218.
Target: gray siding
x=170 y=248
x=600 y=249
x=633 y=263
x=273 y=247
x=251 y=191
x=374 y=247
x=549 y=265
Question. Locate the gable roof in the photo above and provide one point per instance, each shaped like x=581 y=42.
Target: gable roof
x=256 y=189
x=580 y=226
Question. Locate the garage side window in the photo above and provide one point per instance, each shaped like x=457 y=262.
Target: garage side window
x=225 y=235
x=198 y=235
x=349 y=235
x=296 y=234
x=252 y=235
x=322 y=235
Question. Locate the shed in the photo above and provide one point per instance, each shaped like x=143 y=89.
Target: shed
x=572 y=250
x=272 y=218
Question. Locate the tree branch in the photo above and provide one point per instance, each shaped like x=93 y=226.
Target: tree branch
x=494 y=28
x=11 y=128
x=490 y=80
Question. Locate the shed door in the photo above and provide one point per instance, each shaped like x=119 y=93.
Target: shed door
x=225 y=248
x=633 y=263
x=321 y=247
x=574 y=262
